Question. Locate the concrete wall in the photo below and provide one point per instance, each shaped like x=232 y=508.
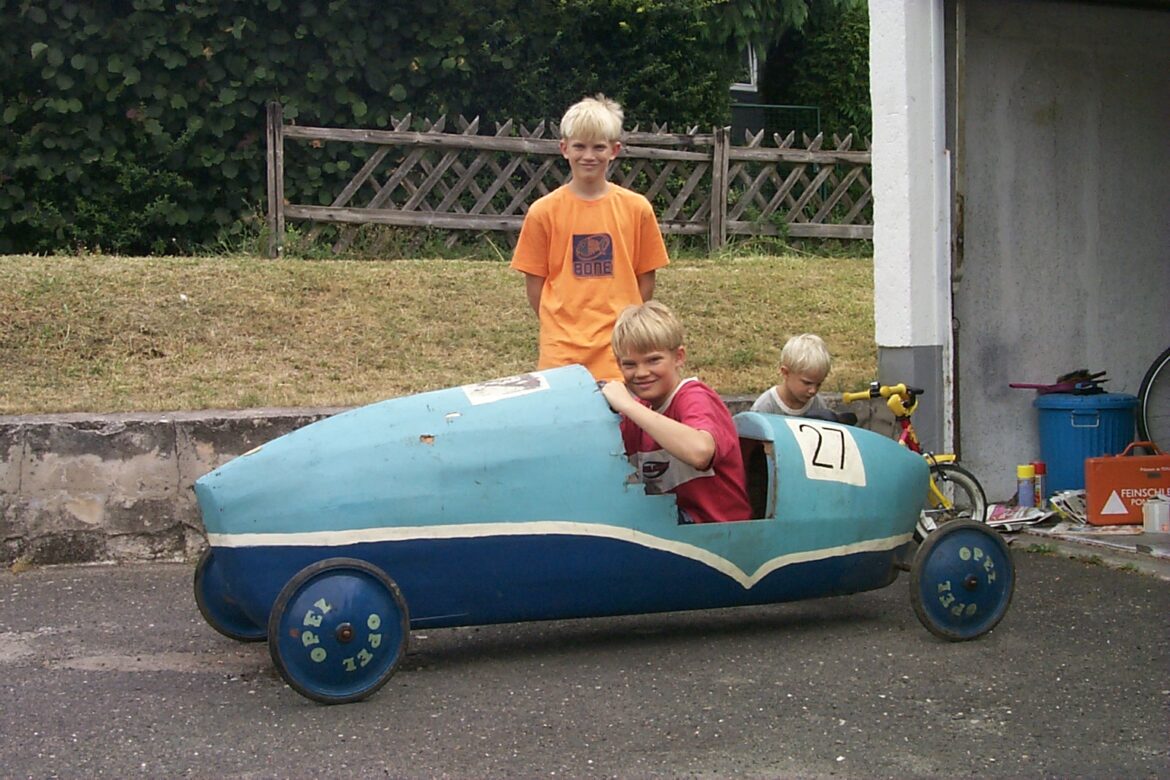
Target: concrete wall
x=77 y=488
x=1066 y=120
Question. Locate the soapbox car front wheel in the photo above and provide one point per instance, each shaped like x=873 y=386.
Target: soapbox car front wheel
x=962 y=580
x=217 y=607
x=338 y=630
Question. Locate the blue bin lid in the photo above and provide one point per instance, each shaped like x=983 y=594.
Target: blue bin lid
x=1090 y=401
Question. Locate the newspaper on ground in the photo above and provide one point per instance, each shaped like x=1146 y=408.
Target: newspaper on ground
x=1006 y=517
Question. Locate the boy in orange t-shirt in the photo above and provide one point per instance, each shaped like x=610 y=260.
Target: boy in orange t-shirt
x=589 y=248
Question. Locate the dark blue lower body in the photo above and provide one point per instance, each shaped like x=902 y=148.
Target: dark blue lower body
x=458 y=582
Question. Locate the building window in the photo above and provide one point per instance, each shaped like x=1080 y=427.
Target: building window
x=747 y=77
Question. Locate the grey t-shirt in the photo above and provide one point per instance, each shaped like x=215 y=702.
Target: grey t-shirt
x=770 y=403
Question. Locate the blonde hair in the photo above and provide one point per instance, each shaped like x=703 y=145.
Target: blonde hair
x=647 y=327
x=594 y=118
x=806 y=352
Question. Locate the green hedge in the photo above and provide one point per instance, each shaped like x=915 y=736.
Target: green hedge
x=826 y=64
x=137 y=126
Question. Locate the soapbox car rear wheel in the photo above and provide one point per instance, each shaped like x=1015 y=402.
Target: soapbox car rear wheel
x=962 y=579
x=338 y=630
x=217 y=607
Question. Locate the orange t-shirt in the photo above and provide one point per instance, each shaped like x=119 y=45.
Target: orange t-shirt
x=590 y=253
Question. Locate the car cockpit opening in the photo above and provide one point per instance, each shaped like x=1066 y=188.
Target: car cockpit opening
x=757 y=463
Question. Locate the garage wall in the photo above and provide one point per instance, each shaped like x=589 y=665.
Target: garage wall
x=1066 y=112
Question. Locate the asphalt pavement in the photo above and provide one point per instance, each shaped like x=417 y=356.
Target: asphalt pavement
x=109 y=671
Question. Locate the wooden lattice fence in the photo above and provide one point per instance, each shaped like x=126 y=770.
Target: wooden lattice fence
x=700 y=183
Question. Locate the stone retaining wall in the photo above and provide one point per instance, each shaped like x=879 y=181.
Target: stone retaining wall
x=80 y=488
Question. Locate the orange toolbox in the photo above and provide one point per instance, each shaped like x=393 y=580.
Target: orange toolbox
x=1116 y=486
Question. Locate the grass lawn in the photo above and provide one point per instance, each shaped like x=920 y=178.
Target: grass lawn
x=96 y=333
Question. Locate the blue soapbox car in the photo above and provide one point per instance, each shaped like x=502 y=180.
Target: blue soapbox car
x=512 y=500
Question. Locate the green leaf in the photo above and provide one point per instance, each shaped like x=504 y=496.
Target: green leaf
x=37 y=49
x=172 y=58
x=398 y=93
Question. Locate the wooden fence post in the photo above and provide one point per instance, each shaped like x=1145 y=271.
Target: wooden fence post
x=717 y=230
x=275 y=138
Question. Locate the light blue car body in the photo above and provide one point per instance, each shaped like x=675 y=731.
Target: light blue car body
x=513 y=500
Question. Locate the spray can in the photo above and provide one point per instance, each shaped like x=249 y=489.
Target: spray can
x=1025 y=485
x=1041 y=482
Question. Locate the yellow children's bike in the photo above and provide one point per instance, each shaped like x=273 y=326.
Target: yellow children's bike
x=955 y=493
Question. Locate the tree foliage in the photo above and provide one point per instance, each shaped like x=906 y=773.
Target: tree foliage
x=826 y=64
x=138 y=125
x=761 y=23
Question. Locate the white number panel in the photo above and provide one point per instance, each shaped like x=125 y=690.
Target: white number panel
x=830 y=451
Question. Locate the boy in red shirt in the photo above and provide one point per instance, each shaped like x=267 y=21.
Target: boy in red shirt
x=677 y=432
x=589 y=248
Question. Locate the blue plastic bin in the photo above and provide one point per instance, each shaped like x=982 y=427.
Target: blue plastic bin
x=1075 y=427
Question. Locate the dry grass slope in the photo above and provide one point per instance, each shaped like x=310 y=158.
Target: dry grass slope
x=107 y=334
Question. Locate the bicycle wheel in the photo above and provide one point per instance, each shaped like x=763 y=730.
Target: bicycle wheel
x=1154 y=403
x=955 y=494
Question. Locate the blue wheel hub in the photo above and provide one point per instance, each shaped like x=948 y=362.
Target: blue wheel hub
x=962 y=580
x=338 y=630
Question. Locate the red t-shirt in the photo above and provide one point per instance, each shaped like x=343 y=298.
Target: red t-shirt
x=716 y=494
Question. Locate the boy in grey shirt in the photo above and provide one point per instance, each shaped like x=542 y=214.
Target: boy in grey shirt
x=804 y=364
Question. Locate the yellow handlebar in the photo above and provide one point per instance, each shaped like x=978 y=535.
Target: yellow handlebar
x=876 y=391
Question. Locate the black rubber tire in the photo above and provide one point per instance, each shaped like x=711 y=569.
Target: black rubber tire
x=1153 y=414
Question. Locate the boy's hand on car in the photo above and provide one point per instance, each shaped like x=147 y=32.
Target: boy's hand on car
x=617 y=395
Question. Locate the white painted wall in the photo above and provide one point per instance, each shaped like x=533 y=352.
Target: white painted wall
x=911 y=198
x=911 y=205
x=1067 y=229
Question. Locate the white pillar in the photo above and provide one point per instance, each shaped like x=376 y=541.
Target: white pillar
x=912 y=302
